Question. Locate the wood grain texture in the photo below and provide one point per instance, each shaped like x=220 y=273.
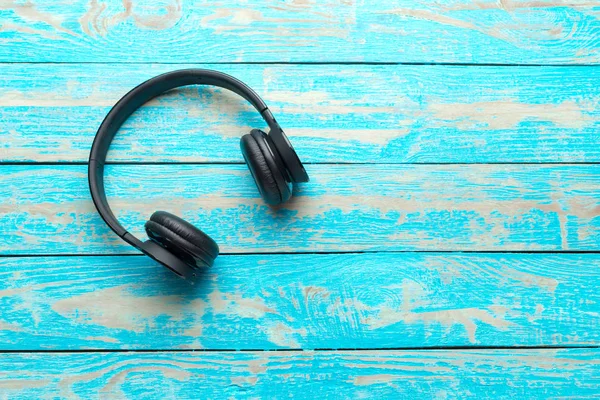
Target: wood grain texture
x=48 y=210
x=333 y=113
x=455 y=31
x=368 y=84
x=332 y=301
x=489 y=374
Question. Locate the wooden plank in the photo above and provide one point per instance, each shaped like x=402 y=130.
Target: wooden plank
x=385 y=300
x=48 y=209
x=351 y=113
x=485 y=374
x=455 y=31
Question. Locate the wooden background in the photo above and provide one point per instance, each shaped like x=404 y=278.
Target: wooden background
x=446 y=246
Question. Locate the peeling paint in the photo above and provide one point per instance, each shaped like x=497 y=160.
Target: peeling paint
x=119 y=308
x=508 y=114
x=284 y=336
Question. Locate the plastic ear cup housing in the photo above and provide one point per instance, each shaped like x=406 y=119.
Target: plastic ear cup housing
x=267 y=168
x=183 y=240
x=169 y=260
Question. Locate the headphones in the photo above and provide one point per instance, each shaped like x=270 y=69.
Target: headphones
x=175 y=243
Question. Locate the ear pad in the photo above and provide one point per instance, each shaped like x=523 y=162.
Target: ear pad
x=181 y=238
x=269 y=178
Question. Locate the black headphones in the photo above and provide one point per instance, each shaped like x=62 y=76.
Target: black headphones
x=175 y=243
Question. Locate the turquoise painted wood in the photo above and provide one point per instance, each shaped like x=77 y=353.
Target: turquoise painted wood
x=48 y=210
x=454 y=31
x=295 y=301
x=489 y=374
x=453 y=211
x=350 y=113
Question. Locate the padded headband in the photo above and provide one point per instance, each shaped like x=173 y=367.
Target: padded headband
x=134 y=100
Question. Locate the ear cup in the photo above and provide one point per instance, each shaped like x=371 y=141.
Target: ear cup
x=182 y=239
x=269 y=179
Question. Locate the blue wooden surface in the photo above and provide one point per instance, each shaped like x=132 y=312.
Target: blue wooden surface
x=302 y=301
x=344 y=208
x=455 y=374
x=447 y=245
x=451 y=31
x=348 y=113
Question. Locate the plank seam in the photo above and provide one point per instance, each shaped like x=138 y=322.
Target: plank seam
x=378 y=349
x=60 y=163
x=341 y=252
x=333 y=63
